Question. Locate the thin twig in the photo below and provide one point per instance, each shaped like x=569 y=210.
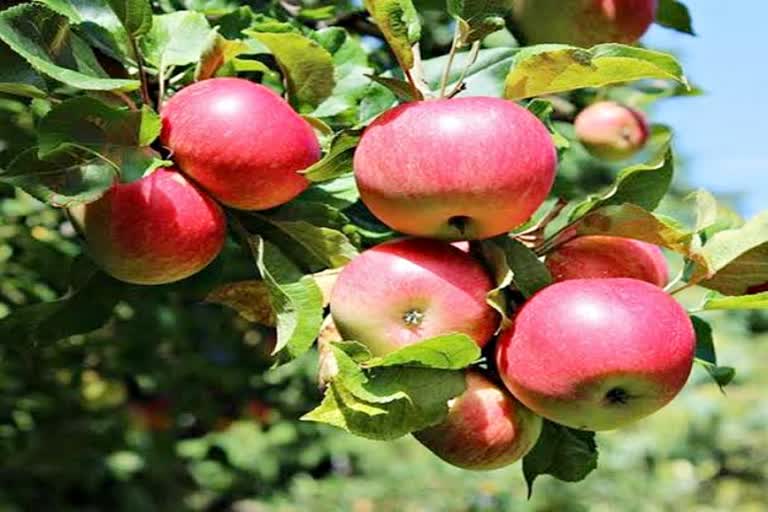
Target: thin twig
x=142 y=74
x=449 y=64
x=125 y=99
x=473 y=53
x=686 y=286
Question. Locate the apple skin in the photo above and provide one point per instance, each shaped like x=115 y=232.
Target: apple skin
x=402 y=292
x=486 y=428
x=240 y=141
x=611 y=131
x=590 y=257
x=158 y=229
x=597 y=354
x=583 y=23
x=458 y=169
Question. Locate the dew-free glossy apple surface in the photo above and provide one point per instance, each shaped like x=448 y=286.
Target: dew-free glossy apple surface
x=611 y=131
x=460 y=169
x=597 y=354
x=583 y=23
x=401 y=292
x=158 y=229
x=240 y=141
x=591 y=257
x=486 y=428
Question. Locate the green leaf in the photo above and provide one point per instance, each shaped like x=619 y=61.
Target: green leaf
x=338 y=160
x=218 y=52
x=706 y=356
x=44 y=39
x=529 y=274
x=716 y=300
x=399 y=22
x=736 y=260
x=251 y=299
x=306 y=65
x=495 y=259
x=296 y=299
x=135 y=15
x=150 y=126
x=400 y=88
x=385 y=402
x=552 y=68
x=674 y=14
x=643 y=184
x=565 y=453
x=351 y=71
x=66 y=178
x=543 y=109
x=176 y=39
x=85 y=308
x=478 y=18
x=18 y=77
x=629 y=221
x=448 y=352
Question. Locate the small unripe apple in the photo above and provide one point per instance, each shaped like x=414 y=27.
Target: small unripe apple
x=486 y=428
x=239 y=140
x=611 y=131
x=458 y=169
x=597 y=354
x=158 y=229
x=402 y=292
x=590 y=257
x=583 y=23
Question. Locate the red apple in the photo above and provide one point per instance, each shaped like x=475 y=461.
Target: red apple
x=239 y=140
x=459 y=169
x=583 y=23
x=611 y=131
x=158 y=229
x=597 y=354
x=486 y=428
x=590 y=257
x=405 y=291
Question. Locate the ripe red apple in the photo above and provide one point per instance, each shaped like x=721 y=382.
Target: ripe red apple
x=611 y=131
x=158 y=229
x=597 y=354
x=590 y=257
x=583 y=23
x=459 y=169
x=486 y=428
x=242 y=142
x=405 y=291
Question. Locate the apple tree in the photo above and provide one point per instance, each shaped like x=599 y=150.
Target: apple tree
x=457 y=216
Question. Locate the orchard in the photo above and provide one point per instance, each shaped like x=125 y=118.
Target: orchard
x=284 y=221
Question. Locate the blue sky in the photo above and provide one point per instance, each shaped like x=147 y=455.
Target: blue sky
x=722 y=135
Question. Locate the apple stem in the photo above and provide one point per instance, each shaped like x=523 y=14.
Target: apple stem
x=460 y=85
x=449 y=64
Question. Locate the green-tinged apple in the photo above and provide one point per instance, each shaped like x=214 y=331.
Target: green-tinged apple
x=239 y=140
x=611 y=131
x=486 y=428
x=402 y=292
x=158 y=229
x=590 y=257
x=458 y=169
x=597 y=354
x=583 y=23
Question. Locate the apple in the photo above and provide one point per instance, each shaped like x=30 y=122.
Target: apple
x=590 y=257
x=583 y=23
x=158 y=229
x=402 y=292
x=486 y=428
x=457 y=169
x=240 y=141
x=611 y=131
x=597 y=354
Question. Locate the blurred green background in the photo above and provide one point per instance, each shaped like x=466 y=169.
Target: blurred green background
x=171 y=407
